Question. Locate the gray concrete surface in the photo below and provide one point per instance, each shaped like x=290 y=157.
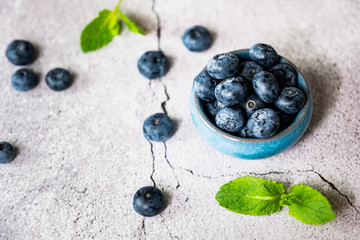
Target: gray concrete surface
x=81 y=154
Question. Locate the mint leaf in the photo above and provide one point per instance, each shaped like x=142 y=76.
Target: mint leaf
x=100 y=31
x=251 y=196
x=308 y=205
x=130 y=24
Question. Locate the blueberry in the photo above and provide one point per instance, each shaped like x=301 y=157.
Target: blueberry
x=220 y=105
x=197 y=39
x=245 y=133
x=148 y=201
x=158 y=127
x=20 y=52
x=213 y=107
x=204 y=86
x=248 y=69
x=58 y=79
x=252 y=103
x=223 y=65
x=291 y=100
x=266 y=86
x=6 y=152
x=24 y=79
x=153 y=64
x=232 y=91
x=263 y=54
x=285 y=120
x=230 y=119
x=263 y=123
x=284 y=74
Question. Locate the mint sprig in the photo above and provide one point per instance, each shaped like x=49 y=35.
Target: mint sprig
x=251 y=196
x=308 y=205
x=101 y=30
x=258 y=197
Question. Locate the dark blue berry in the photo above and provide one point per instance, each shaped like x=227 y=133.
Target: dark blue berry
x=204 y=86
x=153 y=64
x=213 y=107
x=252 y=103
x=148 y=201
x=232 y=91
x=6 y=152
x=245 y=133
x=248 y=69
x=158 y=127
x=220 y=105
x=23 y=80
x=263 y=123
x=263 y=54
x=285 y=75
x=197 y=39
x=291 y=100
x=285 y=120
x=230 y=119
x=223 y=65
x=20 y=52
x=266 y=86
x=58 y=79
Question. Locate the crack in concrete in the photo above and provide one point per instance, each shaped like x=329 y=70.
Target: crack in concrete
x=268 y=173
x=232 y=175
x=81 y=191
x=158 y=30
x=76 y=220
x=167 y=228
x=333 y=187
x=195 y=174
x=170 y=165
x=277 y=173
x=163 y=104
x=153 y=163
x=143 y=227
x=153 y=92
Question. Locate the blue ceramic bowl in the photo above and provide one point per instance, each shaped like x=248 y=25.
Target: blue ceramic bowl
x=247 y=148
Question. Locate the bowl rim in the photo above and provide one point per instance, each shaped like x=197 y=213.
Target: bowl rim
x=294 y=124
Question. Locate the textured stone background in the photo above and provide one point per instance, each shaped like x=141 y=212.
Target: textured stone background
x=81 y=154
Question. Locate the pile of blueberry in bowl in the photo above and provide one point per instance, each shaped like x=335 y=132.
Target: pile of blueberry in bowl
x=251 y=103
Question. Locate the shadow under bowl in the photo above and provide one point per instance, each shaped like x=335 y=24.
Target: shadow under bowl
x=249 y=148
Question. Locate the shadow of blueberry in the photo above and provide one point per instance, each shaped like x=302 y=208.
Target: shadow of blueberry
x=16 y=152
x=214 y=36
x=176 y=124
x=37 y=49
x=167 y=196
x=325 y=83
x=73 y=76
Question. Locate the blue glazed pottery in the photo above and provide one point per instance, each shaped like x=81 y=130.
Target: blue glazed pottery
x=253 y=148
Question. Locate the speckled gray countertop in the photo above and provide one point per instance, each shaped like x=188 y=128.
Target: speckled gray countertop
x=81 y=154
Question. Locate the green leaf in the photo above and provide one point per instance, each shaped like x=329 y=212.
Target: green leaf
x=130 y=24
x=308 y=205
x=251 y=196
x=100 y=31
